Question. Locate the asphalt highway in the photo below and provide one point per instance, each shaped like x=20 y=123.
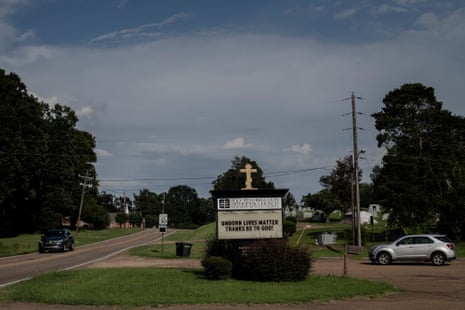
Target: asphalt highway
x=18 y=268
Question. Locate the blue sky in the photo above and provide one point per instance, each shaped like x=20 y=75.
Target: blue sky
x=173 y=90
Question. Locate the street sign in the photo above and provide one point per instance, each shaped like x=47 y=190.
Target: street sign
x=163 y=220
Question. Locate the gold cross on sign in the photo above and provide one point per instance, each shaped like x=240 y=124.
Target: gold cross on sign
x=248 y=176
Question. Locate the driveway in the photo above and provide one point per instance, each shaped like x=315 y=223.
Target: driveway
x=423 y=286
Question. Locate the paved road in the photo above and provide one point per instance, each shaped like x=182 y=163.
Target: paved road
x=17 y=268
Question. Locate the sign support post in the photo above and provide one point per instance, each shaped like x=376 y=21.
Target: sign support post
x=162 y=222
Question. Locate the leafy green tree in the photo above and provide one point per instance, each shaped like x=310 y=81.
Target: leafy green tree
x=422 y=174
x=95 y=214
x=181 y=201
x=151 y=220
x=233 y=179
x=70 y=152
x=289 y=201
x=41 y=156
x=148 y=202
x=339 y=182
x=22 y=136
x=135 y=219
x=204 y=212
x=121 y=218
x=107 y=201
x=324 y=201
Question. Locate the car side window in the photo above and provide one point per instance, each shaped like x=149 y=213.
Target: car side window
x=423 y=240
x=405 y=241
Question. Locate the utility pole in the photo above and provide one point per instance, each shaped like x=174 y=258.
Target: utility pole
x=356 y=168
x=352 y=195
x=85 y=179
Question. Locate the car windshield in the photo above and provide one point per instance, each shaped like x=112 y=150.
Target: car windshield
x=54 y=233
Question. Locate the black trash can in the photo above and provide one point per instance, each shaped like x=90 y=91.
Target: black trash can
x=183 y=249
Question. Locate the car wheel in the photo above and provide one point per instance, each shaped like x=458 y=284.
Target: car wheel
x=41 y=250
x=384 y=258
x=438 y=259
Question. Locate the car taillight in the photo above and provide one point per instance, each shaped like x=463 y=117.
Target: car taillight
x=450 y=246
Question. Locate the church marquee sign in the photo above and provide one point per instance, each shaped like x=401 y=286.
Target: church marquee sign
x=249 y=214
x=250 y=203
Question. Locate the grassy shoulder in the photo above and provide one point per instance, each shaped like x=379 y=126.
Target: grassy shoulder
x=136 y=287
x=28 y=243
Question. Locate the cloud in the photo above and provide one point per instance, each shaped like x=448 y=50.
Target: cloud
x=122 y=4
x=141 y=31
x=427 y=20
x=409 y=2
x=346 y=13
x=29 y=55
x=25 y=36
x=186 y=106
x=85 y=111
x=237 y=143
x=301 y=149
x=385 y=8
x=9 y=7
x=101 y=153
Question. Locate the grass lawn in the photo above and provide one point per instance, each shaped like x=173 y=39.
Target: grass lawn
x=134 y=287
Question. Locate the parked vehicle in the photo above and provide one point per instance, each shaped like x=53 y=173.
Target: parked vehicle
x=56 y=240
x=435 y=248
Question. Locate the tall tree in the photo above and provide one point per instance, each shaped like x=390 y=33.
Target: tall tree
x=340 y=181
x=107 y=201
x=234 y=179
x=181 y=202
x=423 y=170
x=22 y=140
x=289 y=201
x=324 y=201
x=69 y=157
x=148 y=202
x=41 y=156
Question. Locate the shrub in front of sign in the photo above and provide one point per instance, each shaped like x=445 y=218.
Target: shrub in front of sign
x=289 y=227
x=216 y=268
x=219 y=248
x=275 y=260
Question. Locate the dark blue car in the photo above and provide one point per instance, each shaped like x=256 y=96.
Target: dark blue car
x=58 y=239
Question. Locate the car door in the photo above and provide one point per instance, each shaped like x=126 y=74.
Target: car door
x=423 y=246
x=404 y=249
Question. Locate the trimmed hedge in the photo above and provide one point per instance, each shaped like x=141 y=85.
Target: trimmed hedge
x=217 y=268
x=274 y=260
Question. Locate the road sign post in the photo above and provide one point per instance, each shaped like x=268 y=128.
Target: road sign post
x=162 y=225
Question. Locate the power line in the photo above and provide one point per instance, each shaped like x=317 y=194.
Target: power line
x=271 y=174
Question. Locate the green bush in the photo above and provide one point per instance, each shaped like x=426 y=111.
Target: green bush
x=289 y=227
x=291 y=218
x=216 y=268
x=219 y=248
x=274 y=260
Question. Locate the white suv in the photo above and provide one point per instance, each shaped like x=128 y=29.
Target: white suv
x=435 y=248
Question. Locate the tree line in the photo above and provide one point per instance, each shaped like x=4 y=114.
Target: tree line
x=43 y=157
x=421 y=179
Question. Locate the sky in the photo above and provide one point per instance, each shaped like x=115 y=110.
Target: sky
x=174 y=90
